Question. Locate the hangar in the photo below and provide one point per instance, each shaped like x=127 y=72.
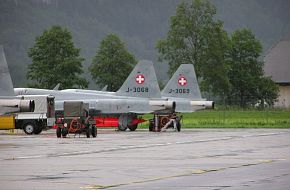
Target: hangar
x=277 y=65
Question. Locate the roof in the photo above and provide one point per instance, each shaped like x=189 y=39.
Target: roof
x=277 y=62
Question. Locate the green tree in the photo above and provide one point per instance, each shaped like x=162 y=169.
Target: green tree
x=248 y=84
x=112 y=63
x=55 y=60
x=195 y=37
x=268 y=91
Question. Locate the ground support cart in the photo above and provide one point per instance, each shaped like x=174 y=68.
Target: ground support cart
x=160 y=121
x=76 y=120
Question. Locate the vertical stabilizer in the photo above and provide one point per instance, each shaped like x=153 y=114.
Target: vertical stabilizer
x=183 y=84
x=142 y=82
x=6 y=86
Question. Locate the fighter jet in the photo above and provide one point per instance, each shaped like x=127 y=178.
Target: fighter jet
x=9 y=103
x=139 y=94
x=184 y=90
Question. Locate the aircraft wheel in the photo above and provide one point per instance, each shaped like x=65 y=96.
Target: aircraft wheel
x=124 y=120
x=29 y=128
x=94 y=131
x=151 y=124
x=122 y=128
x=58 y=132
x=133 y=127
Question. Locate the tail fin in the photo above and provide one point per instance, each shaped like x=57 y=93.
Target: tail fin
x=183 y=84
x=142 y=82
x=6 y=86
x=56 y=87
x=104 y=88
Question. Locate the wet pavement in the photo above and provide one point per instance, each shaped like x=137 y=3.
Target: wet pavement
x=209 y=159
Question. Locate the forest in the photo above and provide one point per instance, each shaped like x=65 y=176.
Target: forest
x=140 y=24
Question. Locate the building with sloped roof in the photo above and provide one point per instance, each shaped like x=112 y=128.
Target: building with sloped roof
x=277 y=65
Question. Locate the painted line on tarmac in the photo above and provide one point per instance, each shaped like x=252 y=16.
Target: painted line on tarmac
x=130 y=147
x=264 y=134
x=193 y=172
x=76 y=153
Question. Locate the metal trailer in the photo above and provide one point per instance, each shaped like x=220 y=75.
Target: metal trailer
x=75 y=119
x=42 y=118
x=160 y=120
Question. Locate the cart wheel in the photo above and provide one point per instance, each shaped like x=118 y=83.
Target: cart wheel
x=178 y=125
x=64 y=132
x=58 y=132
x=164 y=120
x=94 y=131
x=88 y=132
x=29 y=128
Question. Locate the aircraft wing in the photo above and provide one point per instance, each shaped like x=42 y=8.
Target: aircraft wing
x=5 y=110
x=141 y=112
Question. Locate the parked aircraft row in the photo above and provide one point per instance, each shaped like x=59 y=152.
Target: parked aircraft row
x=139 y=94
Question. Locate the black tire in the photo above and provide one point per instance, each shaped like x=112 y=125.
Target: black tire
x=88 y=132
x=58 y=132
x=133 y=127
x=151 y=125
x=64 y=132
x=38 y=130
x=29 y=128
x=178 y=125
x=94 y=131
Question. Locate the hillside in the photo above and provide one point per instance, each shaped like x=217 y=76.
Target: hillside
x=139 y=23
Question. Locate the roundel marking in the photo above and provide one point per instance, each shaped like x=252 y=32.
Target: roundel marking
x=140 y=79
x=182 y=81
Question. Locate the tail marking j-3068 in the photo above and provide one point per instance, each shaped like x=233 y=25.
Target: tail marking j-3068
x=140 y=79
x=142 y=82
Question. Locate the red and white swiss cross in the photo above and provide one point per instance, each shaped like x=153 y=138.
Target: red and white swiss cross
x=182 y=81
x=140 y=79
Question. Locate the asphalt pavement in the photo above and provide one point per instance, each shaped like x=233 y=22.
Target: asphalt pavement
x=203 y=159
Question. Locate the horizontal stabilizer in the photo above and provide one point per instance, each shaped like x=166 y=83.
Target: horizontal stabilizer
x=4 y=110
x=17 y=105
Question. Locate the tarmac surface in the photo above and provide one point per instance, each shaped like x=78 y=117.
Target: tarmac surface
x=203 y=159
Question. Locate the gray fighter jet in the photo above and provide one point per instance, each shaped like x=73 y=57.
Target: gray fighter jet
x=9 y=103
x=184 y=90
x=139 y=94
